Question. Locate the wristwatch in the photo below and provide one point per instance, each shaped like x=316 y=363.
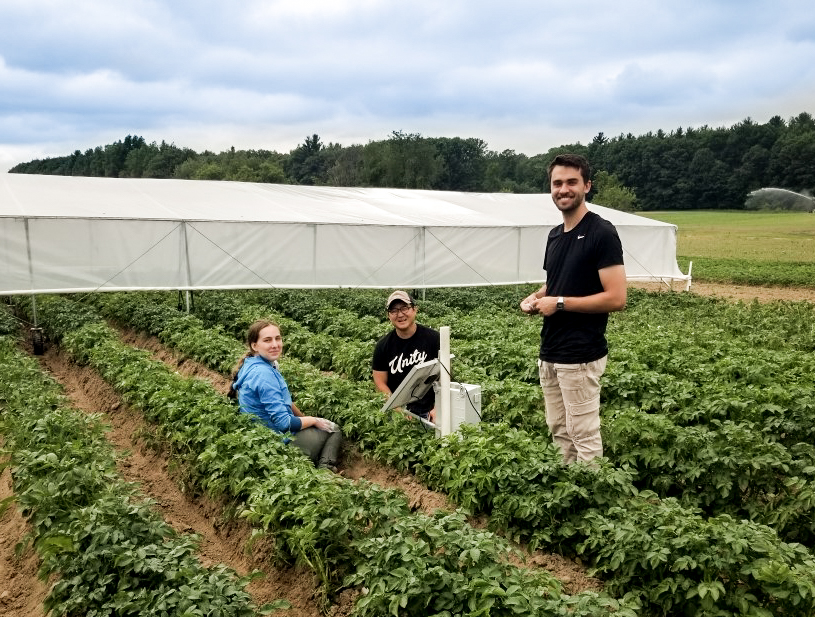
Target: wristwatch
x=560 y=303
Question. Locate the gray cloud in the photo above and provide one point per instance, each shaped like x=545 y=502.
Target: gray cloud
x=520 y=74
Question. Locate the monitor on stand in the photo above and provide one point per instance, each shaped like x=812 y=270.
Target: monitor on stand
x=415 y=385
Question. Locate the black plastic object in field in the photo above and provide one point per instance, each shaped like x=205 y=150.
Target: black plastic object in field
x=37 y=341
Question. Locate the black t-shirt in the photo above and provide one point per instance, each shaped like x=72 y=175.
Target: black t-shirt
x=572 y=262
x=397 y=356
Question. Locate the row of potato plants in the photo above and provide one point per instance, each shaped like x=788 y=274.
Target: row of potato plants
x=667 y=554
x=718 y=465
x=329 y=348
x=96 y=535
x=733 y=381
x=757 y=463
x=668 y=345
x=351 y=534
x=700 y=359
x=657 y=322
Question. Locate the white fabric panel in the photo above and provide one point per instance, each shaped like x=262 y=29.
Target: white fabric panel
x=250 y=255
x=473 y=255
x=14 y=272
x=86 y=234
x=90 y=254
x=364 y=256
x=645 y=254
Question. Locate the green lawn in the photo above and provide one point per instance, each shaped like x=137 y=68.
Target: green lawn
x=760 y=236
x=751 y=248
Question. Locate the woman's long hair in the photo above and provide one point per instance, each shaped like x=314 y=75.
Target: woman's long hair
x=252 y=336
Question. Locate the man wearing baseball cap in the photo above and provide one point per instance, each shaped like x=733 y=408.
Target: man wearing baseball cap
x=408 y=344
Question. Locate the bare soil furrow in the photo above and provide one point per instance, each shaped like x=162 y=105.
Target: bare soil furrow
x=222 y=539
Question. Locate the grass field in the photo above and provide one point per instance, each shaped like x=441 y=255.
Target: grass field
x=755 y=236
x=746 y=248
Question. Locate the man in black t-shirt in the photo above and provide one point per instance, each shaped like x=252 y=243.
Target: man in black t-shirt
x=585 y=281
x=403 y=347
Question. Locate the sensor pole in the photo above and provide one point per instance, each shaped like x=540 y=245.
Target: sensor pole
x=445 y=419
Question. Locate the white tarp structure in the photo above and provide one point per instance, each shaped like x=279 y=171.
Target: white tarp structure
x=78 y=234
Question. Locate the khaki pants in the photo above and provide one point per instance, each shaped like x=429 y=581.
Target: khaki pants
x=571 y=393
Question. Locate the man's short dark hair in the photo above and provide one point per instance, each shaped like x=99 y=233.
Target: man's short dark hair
x=577 y=161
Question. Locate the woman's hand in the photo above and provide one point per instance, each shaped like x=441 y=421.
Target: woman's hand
x=319 y=423
x=325 y=425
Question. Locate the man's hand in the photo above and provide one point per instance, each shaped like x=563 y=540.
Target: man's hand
x=528 y=304
x=546 y=306
x=532 y=305
x=432 y=415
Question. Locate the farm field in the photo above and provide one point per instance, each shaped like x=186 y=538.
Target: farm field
x=754 y=236
x=295 y=582
x=766 y=249
x=705 y=506
x=707 y=418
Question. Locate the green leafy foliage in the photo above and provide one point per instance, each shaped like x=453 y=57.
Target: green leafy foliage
x=110 y=551
x=681 y=168
x=720 y=451
x=317 y=518
x=8 y=324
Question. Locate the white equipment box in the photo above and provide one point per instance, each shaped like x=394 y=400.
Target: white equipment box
x=465 y=404
x=465 y=398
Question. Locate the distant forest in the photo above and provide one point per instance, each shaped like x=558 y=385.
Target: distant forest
x=684 y=169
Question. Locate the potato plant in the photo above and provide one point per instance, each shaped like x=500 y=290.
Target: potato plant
x=578 y=510
x=110 y=552
x=318 y=519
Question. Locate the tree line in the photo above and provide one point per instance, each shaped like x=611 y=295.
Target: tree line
x=685 y=169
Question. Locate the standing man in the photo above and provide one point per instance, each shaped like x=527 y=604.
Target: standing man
x=399 y=350
x=585 y=281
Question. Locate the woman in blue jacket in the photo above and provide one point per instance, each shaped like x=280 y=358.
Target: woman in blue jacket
x=263 y=392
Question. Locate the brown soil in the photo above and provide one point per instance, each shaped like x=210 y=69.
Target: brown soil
x=744 y=293
x=21 y=592
x=222 y=538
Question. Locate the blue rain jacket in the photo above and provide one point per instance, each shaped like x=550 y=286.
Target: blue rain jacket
x=263 y=392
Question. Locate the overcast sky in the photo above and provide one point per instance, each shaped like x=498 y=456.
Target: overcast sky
x=521 y=75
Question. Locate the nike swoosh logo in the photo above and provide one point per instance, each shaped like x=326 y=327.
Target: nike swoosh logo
x=580 y=237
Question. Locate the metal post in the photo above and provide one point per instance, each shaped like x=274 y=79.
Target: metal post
x=690 y=267
x=445 y=420
x=186 y=251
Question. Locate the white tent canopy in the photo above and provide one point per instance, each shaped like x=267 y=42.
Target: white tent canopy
x=78 y=234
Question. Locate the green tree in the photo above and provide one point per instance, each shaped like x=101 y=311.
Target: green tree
x=751 y=174
x=609 y=192
x=509 y=172
x=404 y=160
x=164 y=160
x=208 y=171
x=346 y=167
x=464 y=163
x=137 y=160
x=305 y=165
x=271 y=172
x=792 y=159
x=710 y=181
x=533 y=173
x=692 y=167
